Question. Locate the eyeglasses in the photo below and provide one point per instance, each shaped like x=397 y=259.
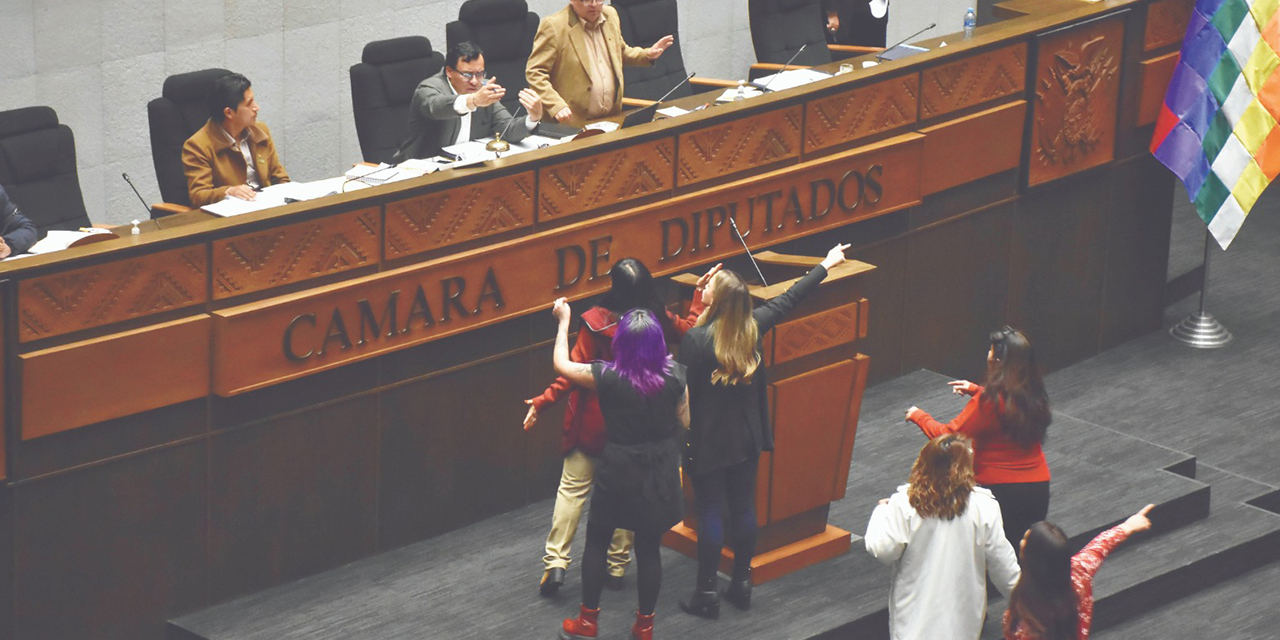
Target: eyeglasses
x=591 y=2
x=478 y=75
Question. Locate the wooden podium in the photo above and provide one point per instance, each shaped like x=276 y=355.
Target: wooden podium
x=818 y=378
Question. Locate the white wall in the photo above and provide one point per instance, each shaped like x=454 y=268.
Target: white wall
x=98 y=63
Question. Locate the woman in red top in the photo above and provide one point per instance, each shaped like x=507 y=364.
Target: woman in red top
x=1053 y=599
x=1007 y=419
x=583 y=438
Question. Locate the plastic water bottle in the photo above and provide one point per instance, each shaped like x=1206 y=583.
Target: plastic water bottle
x=741 y=93
x=970 y=21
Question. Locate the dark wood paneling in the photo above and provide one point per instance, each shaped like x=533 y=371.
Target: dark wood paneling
x=543 y=459
x=605 y=179
x=294 y=395
x=485 y=342
x=1077 y=87
x=452 y=216
x=739 y=145
x=813 y=333
x=1166 y=23
x=1154 y=78
x=1137 y=250
x=452 y=451
x=295 y=253
x=109 y=439
x=962 y=199
x=972 y=81
x=6 y=561
x=858 y=113
x=122 y=290
x=113 y=376
x=956 y=283
x=1057 y=265
x=292 y=496
x=4 y=419
x=967 y=149
x=110 y=551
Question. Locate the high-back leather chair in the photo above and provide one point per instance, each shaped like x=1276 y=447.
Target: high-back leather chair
x=179 y=112
x=382 y=86
x=643 y=23
x=38 y=168
x=780 y=27
x=504 y=30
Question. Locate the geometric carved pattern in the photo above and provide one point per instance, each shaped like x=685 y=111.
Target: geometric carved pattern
x=973 y=80
x=814 y=333
x=604 y=179
x=739 y=145
x=1166 y=23
x=461 y=214
x=1077 y=85
x=294 y=253
x=867 y=110
x=90 y=297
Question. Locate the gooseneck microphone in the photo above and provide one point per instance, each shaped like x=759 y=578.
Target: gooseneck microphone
x=734 y=224
x=765 y=86
x=880 y=56
x=135 y=192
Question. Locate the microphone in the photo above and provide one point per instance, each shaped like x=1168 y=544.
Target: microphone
x=135 y=192
x=495 y=143
x=734 y=224
x=880 y=56
x=678 y=85
x=765 y=86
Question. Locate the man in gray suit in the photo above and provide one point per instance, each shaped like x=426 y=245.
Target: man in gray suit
x=460 y=104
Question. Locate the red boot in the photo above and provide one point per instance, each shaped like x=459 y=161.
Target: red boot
x=583 y=626
x=643 y=628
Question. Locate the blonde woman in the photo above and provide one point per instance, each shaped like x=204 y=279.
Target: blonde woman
x=942 y=535
x=730 y=423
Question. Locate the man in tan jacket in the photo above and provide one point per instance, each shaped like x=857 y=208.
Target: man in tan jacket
x=576 y=63
x=232 y=154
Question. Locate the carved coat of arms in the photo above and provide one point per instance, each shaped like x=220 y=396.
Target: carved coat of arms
x=1070 y=101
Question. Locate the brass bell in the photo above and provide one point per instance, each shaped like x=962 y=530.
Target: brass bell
x=498 y=145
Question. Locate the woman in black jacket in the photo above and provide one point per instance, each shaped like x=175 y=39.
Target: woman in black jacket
x=730 y=422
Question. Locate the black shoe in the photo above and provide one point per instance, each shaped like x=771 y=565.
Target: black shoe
x=739 y=593
x=615 y=583
x=704 y=604
x=552 y=580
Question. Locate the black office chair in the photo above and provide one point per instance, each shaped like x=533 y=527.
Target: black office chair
x=779 y=28
x=38 y=168
x=179 y=112
x=643 y=23
x=504 y=30
x=382 y=86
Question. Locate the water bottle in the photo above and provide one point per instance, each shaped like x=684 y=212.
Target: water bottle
x=970 y=21
x=741 y=93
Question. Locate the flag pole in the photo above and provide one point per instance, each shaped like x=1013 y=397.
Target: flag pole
x=1200 y=329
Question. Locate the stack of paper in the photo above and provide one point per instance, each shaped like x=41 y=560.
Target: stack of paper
x=57 y=240
x=731 y=95
x=790 y=79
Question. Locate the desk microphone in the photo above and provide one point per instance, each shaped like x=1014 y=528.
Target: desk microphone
x=880 y=56
x=734 y=223
x=135 y=192
x=765 y=87
x=678 y=85
x=500 y=136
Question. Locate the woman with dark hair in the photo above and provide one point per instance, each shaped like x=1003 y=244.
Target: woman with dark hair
x=727 y=391
x=1007 y=418
x=942 y=535
x=1054 y=598
x=643 y=398
x=583 y=435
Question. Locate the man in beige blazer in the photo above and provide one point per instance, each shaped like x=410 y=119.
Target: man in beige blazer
x=576 y=63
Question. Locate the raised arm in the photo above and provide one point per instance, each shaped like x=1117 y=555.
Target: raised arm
x=576 y=372
x=773 y=311
x=1086 y=563
x=967 y=422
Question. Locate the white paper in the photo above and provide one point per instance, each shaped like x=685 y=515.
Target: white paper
x=673 y=112
x=790 y=79
x=731 y=95
x=604 y=125
x=422 y=166
x=302 y=190
x=233 y=206
x=57 y=240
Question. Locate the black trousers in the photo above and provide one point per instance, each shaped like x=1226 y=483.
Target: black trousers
x=1022 y=504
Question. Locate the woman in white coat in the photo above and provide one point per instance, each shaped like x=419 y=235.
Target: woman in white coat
x=941 y=534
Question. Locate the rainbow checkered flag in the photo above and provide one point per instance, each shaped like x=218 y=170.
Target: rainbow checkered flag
x=1217 y=129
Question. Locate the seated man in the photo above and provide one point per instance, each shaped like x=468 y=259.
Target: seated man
x=17 y=234
x=459 y=104
x=576 y=63
x=232 y=154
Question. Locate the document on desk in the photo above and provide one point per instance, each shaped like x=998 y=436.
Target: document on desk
x=233 y=206
x=790 y=79
x=301 y=191
x=673 y=112
x=739 y=93
x=57 y=240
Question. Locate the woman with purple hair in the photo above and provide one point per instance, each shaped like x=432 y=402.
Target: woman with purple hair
x=637 y=480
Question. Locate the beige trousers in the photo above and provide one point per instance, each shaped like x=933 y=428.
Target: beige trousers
x=575 y=484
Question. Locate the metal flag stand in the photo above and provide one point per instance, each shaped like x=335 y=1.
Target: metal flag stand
x=1201 y=330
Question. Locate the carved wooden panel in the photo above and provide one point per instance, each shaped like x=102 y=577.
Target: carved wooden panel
x=122 y=290
x=294 y=253
x=949 y=158
x=739 y=145
x=460 y=214
x=861 y=112
x=814 y=333
x=1166 y=23
x=1154 y=77
x=605 y=179
x=973 y=80
x=86 y=382
x=1077 y=85
x=811 y=412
